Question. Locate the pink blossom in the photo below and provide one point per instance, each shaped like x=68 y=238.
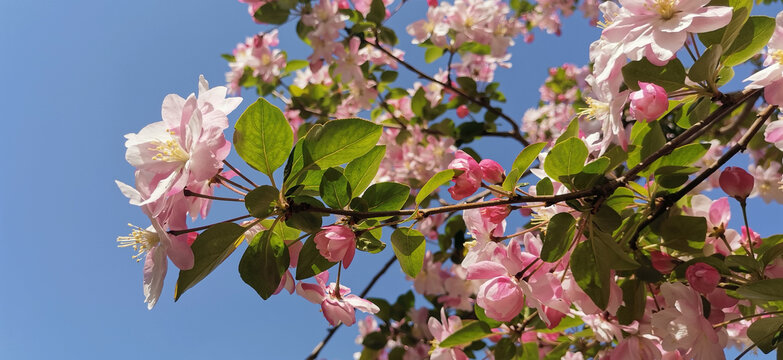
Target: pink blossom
x=754 y=235
x=501 y=296
x=682 y=326
x=492 y=171
x=287 y=281
x=337 y=307
x=768 y=182
x=469 y=181
x=771 y=77
x=462 y=111
x=440 y=331
x=635 y=348
x=657 y=29
x=736 y=182
x=702 y=277
x=649 y=103
x=257 y=55
x=336 y=243
x=662 y=262
x=419 y=157
x=430 y=279
x=774 y=133
x=187 y=147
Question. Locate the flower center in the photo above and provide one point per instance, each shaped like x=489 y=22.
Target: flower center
x=170 y=151
x=777 y=55
x=140 y=240
x=594 y=108
x=665 y=8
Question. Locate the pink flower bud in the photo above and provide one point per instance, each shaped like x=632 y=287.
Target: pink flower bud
x=754 y=235
x=432 y=3
x=492 y=171
x=494 y=215
x=736 y=182
x=462 y=111
x=343 y=4
x=662 y=262
x=469 y=181
x=501 y=298
x=702 y=277
x=649 y=103
x=336 y=243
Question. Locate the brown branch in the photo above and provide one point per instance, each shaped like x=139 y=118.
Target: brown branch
x=185 y=231
x=364 y=292
x=240 y=174
x=666 y=202
x=517 y=134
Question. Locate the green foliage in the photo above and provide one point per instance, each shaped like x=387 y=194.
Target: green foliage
x=385 y=196
x=209 y=250
x=591 y=273
x=275 y=13
x=468 y=333
x=765 y=333
x=264 y=262
x=566 y=159
x=409 y=247
x=765 y=290
x=340 y=141
x=705 y=68
x=442 y=177
x=262 y=136
x=678 y=231
x=521 y=164
x=260 y=202
x=362 y=170
x=670 y=77
x=558 y=237
x=335 y=189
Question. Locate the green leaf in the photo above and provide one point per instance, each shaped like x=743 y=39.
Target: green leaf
x=335 y=189
x=377 y=12
x=467 y=84
x=521 y=164
x=209 y=250
x=363 y=169
x=765 y=333
x=648 y=138
x=468 y=333
x=271 y=13
x=311 y=262
x=433 y=53
x=434 y=183
x=505 y=349
x=340 y=141
x=260 y=267
x=678 y=230
x=591 y=274
x=261 y=201
x=767 y=290
x=611 y=253
x=634 y=301
x=369 y=242
x=571 y=131
x=545 y=187
x=409 y=247
x=755 y=34
x=263 y=137
x=558 y=237
x=294 y=65
x=375 y=340
x=737 y=261
x=706 y=66
x=386 y=196
x=566 y=158
x=670 y=76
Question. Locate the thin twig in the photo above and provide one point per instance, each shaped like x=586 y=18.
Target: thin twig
x=185 y=231
x=210 y=197
x=364 y=292
x=240 y=174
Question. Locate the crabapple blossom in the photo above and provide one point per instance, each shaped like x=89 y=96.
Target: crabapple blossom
x=468 y=182
x=702 y=277
x=492 y=171
x=736 y=182
x=462 y=111
x=337 y=307
x=662 y=262
x=649 y=103
x=774 y=133
x=657 y=29
x=440 y=330
x=336 y=243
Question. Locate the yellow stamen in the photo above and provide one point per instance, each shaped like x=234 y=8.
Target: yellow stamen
x=140 y=240
x=777 y=55
x=170 y=151
x=665 y=8
x=594 y=108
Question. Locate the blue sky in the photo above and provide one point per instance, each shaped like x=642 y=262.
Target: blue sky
x=77 y=76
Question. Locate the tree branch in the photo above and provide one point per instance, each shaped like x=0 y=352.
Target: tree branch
x=517 y=134
x=668 y=201
x=366 y=290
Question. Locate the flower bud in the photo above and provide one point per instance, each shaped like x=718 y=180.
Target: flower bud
x=492 y=171
x=501 y=298
x=462 y=111
x=649 y=103
x=662 y=262
x=469 y=181
x=702 y=277
x=336 y=243
x=736 y=182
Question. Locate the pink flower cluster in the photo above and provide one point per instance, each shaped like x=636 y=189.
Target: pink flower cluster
x=337 y=306
x=184 y=150
x=472 y=173
x=418 y=157
x=771 y=77
x=257 y=58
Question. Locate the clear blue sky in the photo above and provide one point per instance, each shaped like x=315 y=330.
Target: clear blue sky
x=77 y=76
